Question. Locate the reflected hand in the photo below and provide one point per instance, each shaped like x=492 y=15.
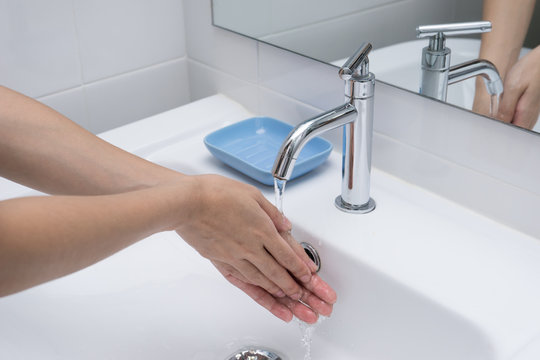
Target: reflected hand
x=238 y=229
x=520 y=101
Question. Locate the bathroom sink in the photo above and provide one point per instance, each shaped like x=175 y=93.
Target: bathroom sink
x=419 y=278
x=160 y=300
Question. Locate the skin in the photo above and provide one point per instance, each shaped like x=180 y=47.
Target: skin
x=520 y=101
x=106 y=199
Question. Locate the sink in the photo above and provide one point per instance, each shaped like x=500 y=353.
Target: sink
x=406 y=71
x=158 y=299
x=420 y=278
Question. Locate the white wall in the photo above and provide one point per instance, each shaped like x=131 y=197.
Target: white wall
x=103 y=63
x=312 y=26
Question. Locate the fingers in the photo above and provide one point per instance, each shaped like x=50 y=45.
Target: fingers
x=321 y=289
x=300 y=310
x=508 y=102
x=281 y=222
x=286 y=251
x=307 y=309
x=277 y=284
x=318 y=305
x=299 y=250
x=527 y=108
x=276 y=273
x=520 y=102
x=263 y=298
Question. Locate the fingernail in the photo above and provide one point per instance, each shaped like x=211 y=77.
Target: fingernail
x=280 y=294
x=305 y=278
x=297 y=296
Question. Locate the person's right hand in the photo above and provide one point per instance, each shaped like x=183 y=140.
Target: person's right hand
x=520 y=101
x=238 y=229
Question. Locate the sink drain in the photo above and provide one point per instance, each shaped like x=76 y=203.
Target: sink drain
x=312 y=253
x=255 y=354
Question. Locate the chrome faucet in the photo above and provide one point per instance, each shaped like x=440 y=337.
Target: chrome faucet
x=437 y=73
x=356 y=118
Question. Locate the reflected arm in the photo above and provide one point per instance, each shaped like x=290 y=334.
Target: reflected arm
x=502 y=46
x=510 y=20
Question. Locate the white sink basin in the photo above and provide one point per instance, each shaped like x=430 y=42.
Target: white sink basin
x=419 y=278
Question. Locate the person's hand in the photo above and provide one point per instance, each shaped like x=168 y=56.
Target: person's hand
x=238 y=229
x=520 y=101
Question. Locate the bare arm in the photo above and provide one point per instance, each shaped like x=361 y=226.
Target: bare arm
x=43 y=238
x=510 y=20
x=43 y=149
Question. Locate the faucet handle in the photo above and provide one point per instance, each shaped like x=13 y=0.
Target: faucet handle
x=473 y=27
x=358 y=63
x=437 y=33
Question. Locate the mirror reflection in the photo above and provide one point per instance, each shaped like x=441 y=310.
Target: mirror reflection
x=327 y=31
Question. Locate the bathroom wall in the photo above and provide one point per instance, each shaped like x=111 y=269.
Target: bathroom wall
x=311 y=27
x=103 y=63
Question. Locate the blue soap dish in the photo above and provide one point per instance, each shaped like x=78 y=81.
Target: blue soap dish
x=251 y=146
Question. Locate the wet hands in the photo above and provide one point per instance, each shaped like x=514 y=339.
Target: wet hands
x=316 y=296
x=248 y=240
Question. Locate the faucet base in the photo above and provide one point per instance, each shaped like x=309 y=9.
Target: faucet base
x=354 y=209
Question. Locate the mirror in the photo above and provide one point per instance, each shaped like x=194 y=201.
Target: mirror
x=330 y=30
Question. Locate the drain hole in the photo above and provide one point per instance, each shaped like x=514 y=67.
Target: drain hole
x=312 y=253
x=255 y=354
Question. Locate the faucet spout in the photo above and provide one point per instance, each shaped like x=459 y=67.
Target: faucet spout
x=478 y=67
x=300 y=136
x=356 y=119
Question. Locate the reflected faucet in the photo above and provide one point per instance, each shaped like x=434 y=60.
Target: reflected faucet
x=436 y=71
x=356 y=118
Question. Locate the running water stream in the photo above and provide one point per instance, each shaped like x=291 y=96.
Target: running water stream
x=494 y=106
x=306 y=329
x=279 y=188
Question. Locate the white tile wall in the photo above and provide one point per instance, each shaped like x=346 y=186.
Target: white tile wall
x=71 y=103
x=206 y=80
x=102 y=63
x=326 y=29
x=286 y=15
x=38 y=46
x=123 y=35
x=223 y=50
x=129 y=97
x=292 y=75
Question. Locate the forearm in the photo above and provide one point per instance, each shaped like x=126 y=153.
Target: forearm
x=43 y=238
x=510 y=21
x=42 y=149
